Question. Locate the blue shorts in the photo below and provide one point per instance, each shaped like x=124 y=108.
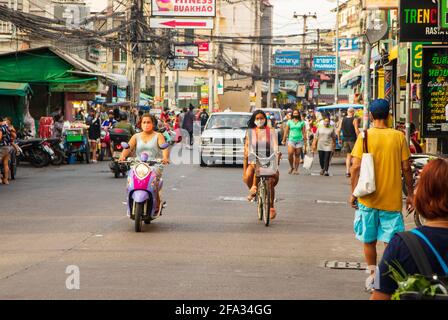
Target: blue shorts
x=376 y=225
x=296 y=145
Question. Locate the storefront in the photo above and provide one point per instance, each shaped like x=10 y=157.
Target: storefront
x=13 y=101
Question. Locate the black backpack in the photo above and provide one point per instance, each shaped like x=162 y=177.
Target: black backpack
x=419 y=255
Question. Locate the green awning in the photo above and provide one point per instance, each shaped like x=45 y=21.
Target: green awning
x=15 y=89
x=38 y=66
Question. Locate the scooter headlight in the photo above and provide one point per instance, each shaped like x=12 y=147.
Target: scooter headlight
x=142 y=171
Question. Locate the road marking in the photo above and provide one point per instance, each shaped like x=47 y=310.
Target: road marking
x=330 y=202
x=232 y=199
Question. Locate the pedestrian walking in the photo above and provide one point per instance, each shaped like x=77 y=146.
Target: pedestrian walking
x=348 y=133
x=432 y=203
x=295 y=134
x=203 y=117
x=378 y=215
x=94 y=123
x=188 y=122
x=6 y=138
x=325 y=143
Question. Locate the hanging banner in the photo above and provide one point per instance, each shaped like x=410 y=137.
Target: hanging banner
x=435 y=92
x=419 y=21
x=417 y=61
x=179 y=8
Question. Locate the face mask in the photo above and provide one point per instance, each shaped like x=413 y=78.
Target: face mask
x=295 y=117
x=260 y=123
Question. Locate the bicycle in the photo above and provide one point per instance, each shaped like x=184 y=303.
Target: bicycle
x=265 y=169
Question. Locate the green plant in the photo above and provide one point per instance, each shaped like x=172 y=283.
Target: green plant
x=414 y=283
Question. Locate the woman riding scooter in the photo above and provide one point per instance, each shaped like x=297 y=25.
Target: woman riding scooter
x=148 y=141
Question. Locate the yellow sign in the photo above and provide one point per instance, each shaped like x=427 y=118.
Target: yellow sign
x=380 y=4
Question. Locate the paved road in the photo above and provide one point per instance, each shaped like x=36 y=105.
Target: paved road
x=204 y=247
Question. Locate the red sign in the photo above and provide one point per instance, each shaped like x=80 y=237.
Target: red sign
x=203 y=46
x=314 y=84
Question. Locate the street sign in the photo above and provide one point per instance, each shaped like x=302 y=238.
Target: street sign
x=324 y=63
x=287 y=59
x=435 y=93
x=349 y=44
x=175 y=23
x=220 y=85
x=204 y=46
x=377 y=26
x=178 y=8
x=443 y=14
x=419 y=21
x=178 y=64
x=191 y=51
x=417 y=61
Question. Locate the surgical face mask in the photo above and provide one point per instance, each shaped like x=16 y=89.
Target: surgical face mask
x=260 y=123
x=295 y=117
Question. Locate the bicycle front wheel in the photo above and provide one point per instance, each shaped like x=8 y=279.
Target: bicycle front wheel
x=267 y=204
x=260 y=200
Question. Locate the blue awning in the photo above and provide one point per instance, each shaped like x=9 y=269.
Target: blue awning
x=342 y=106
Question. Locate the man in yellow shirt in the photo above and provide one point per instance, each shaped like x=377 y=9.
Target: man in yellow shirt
x=378 y=216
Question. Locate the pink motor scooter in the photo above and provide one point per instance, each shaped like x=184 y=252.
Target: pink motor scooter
x=143 y=185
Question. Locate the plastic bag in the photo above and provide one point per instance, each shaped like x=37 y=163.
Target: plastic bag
x=308 y=162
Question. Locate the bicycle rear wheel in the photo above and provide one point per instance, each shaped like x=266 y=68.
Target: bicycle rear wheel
x=267 y=204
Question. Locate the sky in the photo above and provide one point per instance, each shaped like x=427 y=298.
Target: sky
x=284 y=23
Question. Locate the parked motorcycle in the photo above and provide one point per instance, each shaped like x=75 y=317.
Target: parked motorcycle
x=144 y=183
x=117 y=137
x=57 y=147
x=35 y=152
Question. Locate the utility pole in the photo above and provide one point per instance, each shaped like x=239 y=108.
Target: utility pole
x=305 y=18
x=138 y=50
x=336 y=78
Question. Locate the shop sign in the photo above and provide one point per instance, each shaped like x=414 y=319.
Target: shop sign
x=324 y=63
x=287 y=59
x=417 y=61
x=80 y=96
x=91 y=86
x=443 y=14
x=419 y=21
x=176 y=8
x=349 y=44
x=435 y=92
x=220 y=85
x=191 y=51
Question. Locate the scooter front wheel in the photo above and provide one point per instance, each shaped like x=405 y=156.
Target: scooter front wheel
x=138 y=214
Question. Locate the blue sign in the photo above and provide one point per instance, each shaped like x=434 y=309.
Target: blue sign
x=349 y=44
x=324 y=63
x=287 y=59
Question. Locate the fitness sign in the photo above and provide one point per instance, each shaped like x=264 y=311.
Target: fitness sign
x=184 y=8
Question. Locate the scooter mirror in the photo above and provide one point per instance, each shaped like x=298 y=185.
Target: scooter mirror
x=125 y=145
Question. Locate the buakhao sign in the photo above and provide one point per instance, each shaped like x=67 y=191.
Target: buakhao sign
x=435 y=92
x=184 y=8
x=419 y=21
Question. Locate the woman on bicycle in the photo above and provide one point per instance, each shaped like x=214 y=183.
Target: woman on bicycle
x=295 y=133
x=262 y=141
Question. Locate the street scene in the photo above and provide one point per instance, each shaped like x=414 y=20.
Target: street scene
x=224 y=150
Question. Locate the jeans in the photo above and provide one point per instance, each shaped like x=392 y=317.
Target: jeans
x=324 y=159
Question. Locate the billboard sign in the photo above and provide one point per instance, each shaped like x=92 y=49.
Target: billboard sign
x=287 y=59
x=443 y=14
x=179 y=8
x=419 y=21
x=324 y=63
x=435 y=93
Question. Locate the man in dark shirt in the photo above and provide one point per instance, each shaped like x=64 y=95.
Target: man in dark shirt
x=350 y=131
x=188 y=123
x=203 y=118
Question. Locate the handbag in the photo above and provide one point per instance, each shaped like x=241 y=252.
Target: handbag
x=366 y=183
x=308 y=162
